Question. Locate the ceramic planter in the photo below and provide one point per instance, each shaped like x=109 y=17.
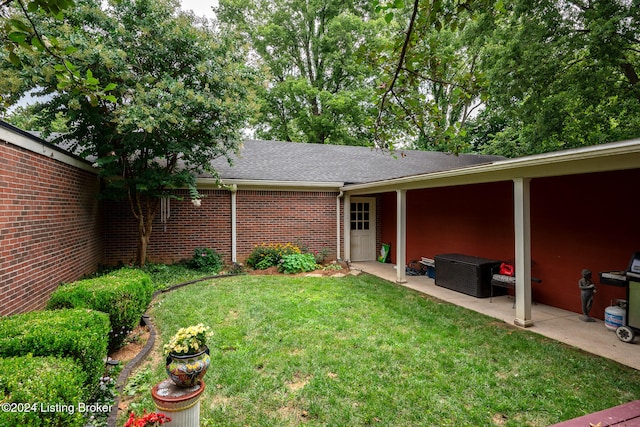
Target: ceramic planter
x=187 y=370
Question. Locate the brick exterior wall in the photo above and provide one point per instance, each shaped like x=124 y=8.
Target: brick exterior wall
x=306 y=218
x=49 y=227
x=187 y=227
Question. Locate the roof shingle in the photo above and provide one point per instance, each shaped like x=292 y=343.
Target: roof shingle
x=301 y=162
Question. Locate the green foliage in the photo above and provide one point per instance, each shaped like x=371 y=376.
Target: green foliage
x=317 y=71
x=543 y=75
x=76 y=333
x=268 y=255
x=566 y=79
x=433 y=87
x=123 y=294
x=51 y=386
x=23 y=38
x=182 y=92
x=166 y=275
x=297 y=263
x=138 y=383
x=206 y=259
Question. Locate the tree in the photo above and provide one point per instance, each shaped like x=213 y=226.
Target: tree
x=537 y=75
x=433 y=84
x=181 y=96
x=319 y=83
x=20 y=34
x=563 y=74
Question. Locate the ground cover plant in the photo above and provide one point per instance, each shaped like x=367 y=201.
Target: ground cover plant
x=291 y=350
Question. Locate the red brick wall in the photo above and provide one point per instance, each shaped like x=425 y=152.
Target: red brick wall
x=49 y=227
x=188 y=227
x=308 y=218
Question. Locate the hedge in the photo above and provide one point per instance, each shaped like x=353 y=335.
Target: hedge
x=77 y=333
x=123 y=294
x=41 y=391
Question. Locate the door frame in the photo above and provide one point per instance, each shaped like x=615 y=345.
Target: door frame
x=372 y=225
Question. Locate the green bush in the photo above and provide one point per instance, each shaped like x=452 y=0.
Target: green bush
x=269 y=255
x=41 y=391
x=206 y=259
x=123 y=294
x=298 y=263
x=80 y=334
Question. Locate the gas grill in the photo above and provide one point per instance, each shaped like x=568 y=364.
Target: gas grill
x=630 y=278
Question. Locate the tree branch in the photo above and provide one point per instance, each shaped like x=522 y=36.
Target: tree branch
x=403 y=54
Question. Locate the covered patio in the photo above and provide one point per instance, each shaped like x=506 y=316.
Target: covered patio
x=560 y=325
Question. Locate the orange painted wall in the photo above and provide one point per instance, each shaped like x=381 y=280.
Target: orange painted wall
x=583 y=221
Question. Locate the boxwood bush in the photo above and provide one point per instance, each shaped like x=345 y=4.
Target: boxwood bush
x=80 y=334
x=123 y=294
x=41 y=391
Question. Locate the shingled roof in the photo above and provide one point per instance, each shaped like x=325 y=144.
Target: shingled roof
x=300 y=162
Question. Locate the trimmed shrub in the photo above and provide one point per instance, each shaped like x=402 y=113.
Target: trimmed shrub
x=79 y=334
x=269 y=255
x=41 y=391
x=206 y=259
x=123 y=294
x=297 y=263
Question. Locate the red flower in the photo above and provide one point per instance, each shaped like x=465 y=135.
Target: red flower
x=151 y=419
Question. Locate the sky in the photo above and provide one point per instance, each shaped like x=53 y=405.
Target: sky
x=199 y=7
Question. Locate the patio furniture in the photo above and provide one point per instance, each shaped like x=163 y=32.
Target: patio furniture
x=468 y=274
x=505 y=282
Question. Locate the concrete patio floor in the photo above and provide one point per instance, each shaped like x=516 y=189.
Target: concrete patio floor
x=561 y=325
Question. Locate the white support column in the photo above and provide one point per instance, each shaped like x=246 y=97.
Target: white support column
x=401 y=236
x=234 y=230
x=347 y=228
x=521 y=200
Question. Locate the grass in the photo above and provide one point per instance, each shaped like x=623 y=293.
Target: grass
x=360 y=351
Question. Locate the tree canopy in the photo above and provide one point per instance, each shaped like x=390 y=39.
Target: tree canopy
x=510 y=78
x=562 y=74
x=318 y=84
x=180 y=97
x=539 y=75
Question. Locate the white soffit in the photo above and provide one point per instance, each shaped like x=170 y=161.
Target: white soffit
x=247 y=184
x=598 y=158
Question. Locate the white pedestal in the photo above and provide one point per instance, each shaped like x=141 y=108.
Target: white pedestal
x=182 y=405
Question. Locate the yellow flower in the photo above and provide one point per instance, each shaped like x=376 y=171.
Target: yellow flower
x=188 y=340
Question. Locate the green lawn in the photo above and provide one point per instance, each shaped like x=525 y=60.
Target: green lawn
x=360 y=351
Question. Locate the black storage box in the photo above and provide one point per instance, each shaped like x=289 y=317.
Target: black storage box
x=470 y=275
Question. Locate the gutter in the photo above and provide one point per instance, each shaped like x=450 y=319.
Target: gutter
x=20 y=138
x=598 y=158
x=251 y=184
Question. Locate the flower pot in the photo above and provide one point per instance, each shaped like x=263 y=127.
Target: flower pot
x=187 y=370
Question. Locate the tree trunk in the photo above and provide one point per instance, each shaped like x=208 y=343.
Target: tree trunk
x=141 y=254
x=144 y=210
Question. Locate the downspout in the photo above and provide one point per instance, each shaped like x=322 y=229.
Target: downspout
x=234 y=232
x=347 y=223
x=338 y=225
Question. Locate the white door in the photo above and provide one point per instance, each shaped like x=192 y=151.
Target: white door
x=363 y=229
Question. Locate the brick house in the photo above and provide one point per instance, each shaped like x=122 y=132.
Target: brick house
x=550 y=214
